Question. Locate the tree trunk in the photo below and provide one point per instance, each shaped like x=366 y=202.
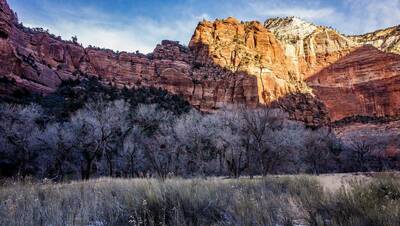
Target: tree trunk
x=88 y=169
x=60 y=170
x=82 y=171
x=131 y=165
x=110 y=166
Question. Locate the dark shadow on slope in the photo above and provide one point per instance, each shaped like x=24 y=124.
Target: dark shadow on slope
x=304 y=107
x=72 y=95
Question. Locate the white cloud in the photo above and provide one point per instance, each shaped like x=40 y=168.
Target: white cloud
x=282 y=9
x=96 y=28
x=125 y=33
x=347 y=16
x=370 y=15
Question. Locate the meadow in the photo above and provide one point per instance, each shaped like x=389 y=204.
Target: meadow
x=270 y=200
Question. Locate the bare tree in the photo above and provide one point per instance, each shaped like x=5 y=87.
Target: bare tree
x=159 y=140
x=150 y=118
x=261 y=124
x=58 y=139
x=360 y=148
x=162 y=152
x=117 y=124
x=194 y=132
x=318 y=149
x=231 y=143
x=98 y=128
x=132 y=150
x=285 y=144
x=390 y=155
x=18 y=132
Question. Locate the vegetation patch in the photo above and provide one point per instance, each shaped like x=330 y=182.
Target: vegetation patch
x=214 y=201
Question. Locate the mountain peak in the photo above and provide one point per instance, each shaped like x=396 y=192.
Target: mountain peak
x=290 y=26
x=289 y=19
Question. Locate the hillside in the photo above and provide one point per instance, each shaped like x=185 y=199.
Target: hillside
x=228 y=62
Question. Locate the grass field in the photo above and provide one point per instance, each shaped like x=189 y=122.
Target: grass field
x=275 y=200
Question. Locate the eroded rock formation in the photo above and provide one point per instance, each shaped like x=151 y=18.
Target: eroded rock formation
x=309 y=47
x=248 y=47
x=313 y=72
x=38 y=61
x=364 y=82
x=386 y=39
x=352 y=75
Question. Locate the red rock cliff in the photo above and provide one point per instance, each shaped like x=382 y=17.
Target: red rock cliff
x=248 y=47
x=347 y=73
x=286 y=62
x=364 y=82
x=38 y=61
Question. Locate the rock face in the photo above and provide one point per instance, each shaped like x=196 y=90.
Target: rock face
x=350 y=74
x=387 y=40
x=309 y=47
x=39 y=62
x=365 y=82
x=313 y=72
x=248 y=47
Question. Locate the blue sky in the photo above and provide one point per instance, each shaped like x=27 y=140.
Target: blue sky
x=132 y=25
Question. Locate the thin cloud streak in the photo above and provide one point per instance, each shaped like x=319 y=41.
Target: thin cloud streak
x=281 y=9
x=125 y=32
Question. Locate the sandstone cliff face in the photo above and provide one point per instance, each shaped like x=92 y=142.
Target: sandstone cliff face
x=247 y=47
x=365 y=82
x=309 y=47
x=39 y=62
x=350 y=76
x=312 y=72
x=386 y=39
x=6 y=19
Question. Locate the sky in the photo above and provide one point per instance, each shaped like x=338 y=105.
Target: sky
x=131 y=25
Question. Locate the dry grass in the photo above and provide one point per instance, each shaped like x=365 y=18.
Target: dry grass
x=263 y=201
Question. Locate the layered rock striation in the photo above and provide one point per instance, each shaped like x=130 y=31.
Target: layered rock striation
x=250 y=48
x=309 y=47
x=37 y=61
x=364 y=82
x=313 y=72
x=387 y=40
x=351 y=75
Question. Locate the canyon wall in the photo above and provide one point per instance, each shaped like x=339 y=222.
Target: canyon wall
x=364 y=82
x=248 y=47
x=352 y=75
x=313 y=72
x=309 y=47
x=37 y=61
x=387 y=40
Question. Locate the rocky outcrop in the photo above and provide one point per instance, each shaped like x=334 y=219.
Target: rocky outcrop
x=309 y=47
x=247 y=47
x=350 y=76
x=7 y=18
x=365 y=82
x=38 y=61
x=387 y=40
x=312 y=72
x=304 y=107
